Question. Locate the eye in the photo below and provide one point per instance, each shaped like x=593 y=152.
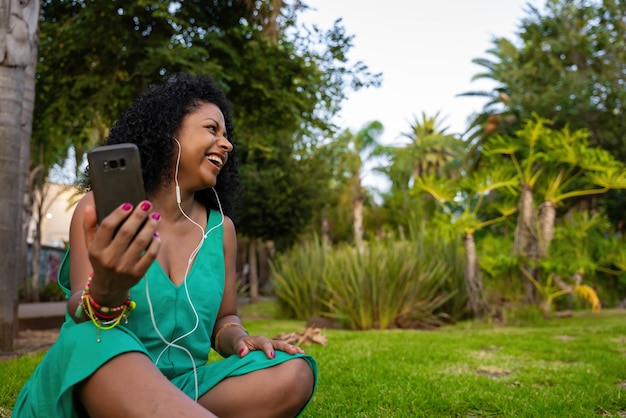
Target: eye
x=212 y=128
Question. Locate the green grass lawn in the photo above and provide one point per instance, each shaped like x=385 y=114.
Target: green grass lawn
x=571 y=367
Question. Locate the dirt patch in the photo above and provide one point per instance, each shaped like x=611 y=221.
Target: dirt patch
x=564 y=338
x=493 y=372
x=31 y=341
x=487 y=351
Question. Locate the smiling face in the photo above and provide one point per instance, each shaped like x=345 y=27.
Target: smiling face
x=204 y=147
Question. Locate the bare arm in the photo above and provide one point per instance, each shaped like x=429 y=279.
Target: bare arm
x=117 y=261
x=233 y=339
x=228 y=309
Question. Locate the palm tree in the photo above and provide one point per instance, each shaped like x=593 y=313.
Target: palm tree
x=553 y=166
x=524 y=154
x=431 y=151
x=500 y=113
x=470 y=194
x=358 y=148
x=18 y=35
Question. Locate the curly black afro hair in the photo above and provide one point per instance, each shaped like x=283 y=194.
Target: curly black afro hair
x=155 y=118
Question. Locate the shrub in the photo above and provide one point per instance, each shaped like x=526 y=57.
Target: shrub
x=394 y=282
x=297 y=278
x=51 y=292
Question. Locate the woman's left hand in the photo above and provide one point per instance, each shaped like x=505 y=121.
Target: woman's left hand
x=248 y=343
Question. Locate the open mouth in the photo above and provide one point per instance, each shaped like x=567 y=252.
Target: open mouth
x=216 y=160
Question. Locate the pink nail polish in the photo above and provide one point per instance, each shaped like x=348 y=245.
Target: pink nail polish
x=272 y=354
x=145 y=206
x=127 y=206
x=156 y=216
x=241 y=351
x=156 y=234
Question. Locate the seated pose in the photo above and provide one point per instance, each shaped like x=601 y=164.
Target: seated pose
x=151 y=288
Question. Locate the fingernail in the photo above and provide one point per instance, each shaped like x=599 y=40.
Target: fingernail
x=241 y=351
x=156 y=234
x=156 y=216
x=272 y=354
x=145 y=206
x=127 y=206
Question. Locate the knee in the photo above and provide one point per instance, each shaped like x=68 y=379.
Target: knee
x=302 y=377
x=297 y=383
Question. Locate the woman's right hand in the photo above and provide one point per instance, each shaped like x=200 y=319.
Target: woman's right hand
x=120 y=249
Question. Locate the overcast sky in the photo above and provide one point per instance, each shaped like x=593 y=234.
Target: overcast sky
x=424 y=48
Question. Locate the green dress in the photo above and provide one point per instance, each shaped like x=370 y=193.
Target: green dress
x=162 y=308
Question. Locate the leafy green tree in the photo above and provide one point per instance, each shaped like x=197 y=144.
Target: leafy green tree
x=462 y=202
x=357 y=148
x=567 y=64
x=553 y=166
x=431 y=151
x=285 y=85
x=283 y=92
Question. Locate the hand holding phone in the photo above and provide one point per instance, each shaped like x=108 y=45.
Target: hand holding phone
x=115 y=175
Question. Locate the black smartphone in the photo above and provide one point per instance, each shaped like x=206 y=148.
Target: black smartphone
x=115 y=175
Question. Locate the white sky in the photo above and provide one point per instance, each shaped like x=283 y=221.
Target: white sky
x=424 y=48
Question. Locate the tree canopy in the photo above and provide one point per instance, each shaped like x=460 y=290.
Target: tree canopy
x=568 y=65
x=285 y=82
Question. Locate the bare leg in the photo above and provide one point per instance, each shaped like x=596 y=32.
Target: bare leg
x=129 y=385
x=279 y=391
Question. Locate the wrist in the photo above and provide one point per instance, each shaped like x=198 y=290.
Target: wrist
x=103 y=295
x=104 y=307
x=225 y=335
x=103 y=317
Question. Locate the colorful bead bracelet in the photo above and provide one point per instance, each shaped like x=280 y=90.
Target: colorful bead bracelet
x=103 y=317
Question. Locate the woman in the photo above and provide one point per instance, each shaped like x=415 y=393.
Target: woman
x=154 y=285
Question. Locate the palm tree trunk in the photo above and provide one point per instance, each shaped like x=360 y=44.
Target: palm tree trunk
x=254 y=272
x=547 y=217
x=35 y=264
x=39 y=197
x=325 y=228
x=358 y=222
x=18 y=35
x=28 y=106
x=263 y=271
x=11 y=94
x=473 y=279
x=525 y=243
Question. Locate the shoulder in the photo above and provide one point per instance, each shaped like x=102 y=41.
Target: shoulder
x=229 y=234
x=229 y=226
x=86 y=200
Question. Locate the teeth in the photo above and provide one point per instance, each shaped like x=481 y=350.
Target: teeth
x=217 y=160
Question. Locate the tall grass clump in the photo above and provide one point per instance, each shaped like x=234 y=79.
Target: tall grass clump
x=430 y=242
x=393 y=283
x=297 y=278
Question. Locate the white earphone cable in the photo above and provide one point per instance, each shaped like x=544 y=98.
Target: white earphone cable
x=194 y=253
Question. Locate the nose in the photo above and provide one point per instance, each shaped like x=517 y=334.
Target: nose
x=224 y=144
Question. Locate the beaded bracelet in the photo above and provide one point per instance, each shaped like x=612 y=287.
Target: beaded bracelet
x=102 y=320
x=223 y=328
x=104 y=312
